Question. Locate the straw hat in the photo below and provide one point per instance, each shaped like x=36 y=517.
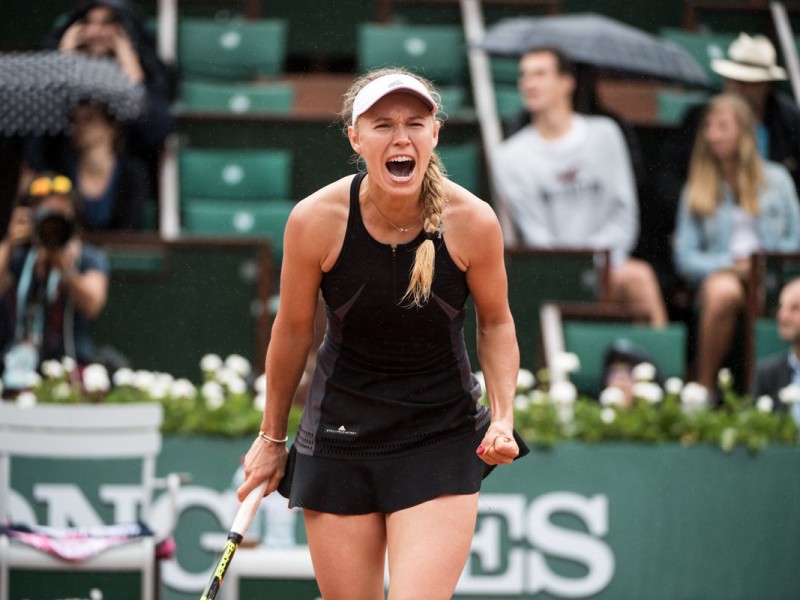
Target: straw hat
x=751 y=59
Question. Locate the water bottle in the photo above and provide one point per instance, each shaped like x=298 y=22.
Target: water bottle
x=279 y=522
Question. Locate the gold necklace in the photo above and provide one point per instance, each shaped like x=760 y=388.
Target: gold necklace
x=400 y=229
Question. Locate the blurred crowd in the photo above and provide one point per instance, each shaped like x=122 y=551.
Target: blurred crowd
x=725 y=187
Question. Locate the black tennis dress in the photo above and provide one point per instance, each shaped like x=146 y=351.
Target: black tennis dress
x=392 y=417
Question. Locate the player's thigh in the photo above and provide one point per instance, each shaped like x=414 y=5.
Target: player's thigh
x=348 y=553
x=429 y=545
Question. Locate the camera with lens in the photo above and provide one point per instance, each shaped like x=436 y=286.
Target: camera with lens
x=53 y=229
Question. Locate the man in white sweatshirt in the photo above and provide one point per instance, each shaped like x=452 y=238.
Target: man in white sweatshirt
x=568 y=183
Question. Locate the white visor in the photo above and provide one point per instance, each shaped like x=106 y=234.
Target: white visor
x=388 y=84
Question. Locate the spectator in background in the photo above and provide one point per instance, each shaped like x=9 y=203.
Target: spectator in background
x=780 y=370
x=55 y=283
x=750 y=70
x=734 y=204
x=619 y=362
x=114 y=29
x=112 y=183
x=567 y=181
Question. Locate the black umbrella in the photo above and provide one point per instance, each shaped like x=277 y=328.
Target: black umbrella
x=596 y=40
x=39 y=90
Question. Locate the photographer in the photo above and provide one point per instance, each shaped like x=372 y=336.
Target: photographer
x=53 y=282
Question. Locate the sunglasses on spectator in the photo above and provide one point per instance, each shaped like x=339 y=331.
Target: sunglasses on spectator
x=44 y=186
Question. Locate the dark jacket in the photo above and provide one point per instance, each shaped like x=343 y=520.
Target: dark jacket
x=773 y=373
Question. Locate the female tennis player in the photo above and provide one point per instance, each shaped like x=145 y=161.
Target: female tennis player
x=393 y=444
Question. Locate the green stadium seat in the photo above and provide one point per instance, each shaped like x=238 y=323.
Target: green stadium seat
x=508 y=100
x=505 y=70
x=453 y=99
x=766 y=338
x=538 y=276
x=239 y=218
x=233 y=50
x=704 y=47
x=433 y=51
x=235 y=174
x=672 y=105
x=590 y=339
x=463 y=165
x=237 y=98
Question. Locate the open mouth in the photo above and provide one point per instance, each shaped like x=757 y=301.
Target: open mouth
x=401 y=166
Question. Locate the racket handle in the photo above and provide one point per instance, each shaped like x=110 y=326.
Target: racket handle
x=248 y=510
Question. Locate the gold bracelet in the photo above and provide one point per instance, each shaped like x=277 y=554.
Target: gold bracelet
x=265 y=437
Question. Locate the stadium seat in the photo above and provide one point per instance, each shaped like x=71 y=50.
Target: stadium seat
x=505 y=70
x=237 y=98
x=538 y=276
x=672 y=105
x=433 y=51
x=766 y=338
x=590 y=339
x=702 y=46
x=239 y=218
x=508 y=100
x=463 y=164
x=235 y=174
x=232 y=50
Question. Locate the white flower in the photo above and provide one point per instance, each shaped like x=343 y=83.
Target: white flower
x=643 y=372
x=142 y=379
x=95 y=378
x=26 y=400
x=525 y=379
x=481 y=380
x=522 y=402
x=157 y=390
x=724 y=378
x=34 y=379
x=727 y=439
x=69 y=364
x=764 y=404
x=238 y=364
x=566 y=413
x=538 y=397
x=163 y=379
x=237 y=386
x=183 y=388
x=648 y=391
x=694 y=395
x=214 y=394
x=123 y=377
x=608 y=415
x=260 y=401
x=62 y=391
x=790 y=394
x=53 y=369
x=224 y=375
x=260 y=384
x=612 y=396
x=563 y=392
x=210 y=363
x=673 y=385
x=566 y=362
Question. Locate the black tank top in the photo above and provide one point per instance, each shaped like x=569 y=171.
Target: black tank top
x=390 y=378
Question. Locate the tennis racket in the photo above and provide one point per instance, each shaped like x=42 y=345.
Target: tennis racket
x=240 y=524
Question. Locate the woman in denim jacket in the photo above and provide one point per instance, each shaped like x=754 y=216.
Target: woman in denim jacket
x=733 y=205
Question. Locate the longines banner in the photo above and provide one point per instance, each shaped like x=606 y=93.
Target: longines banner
x=606 y=521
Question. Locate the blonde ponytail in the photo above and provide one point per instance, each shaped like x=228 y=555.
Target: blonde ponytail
x=433 y=199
